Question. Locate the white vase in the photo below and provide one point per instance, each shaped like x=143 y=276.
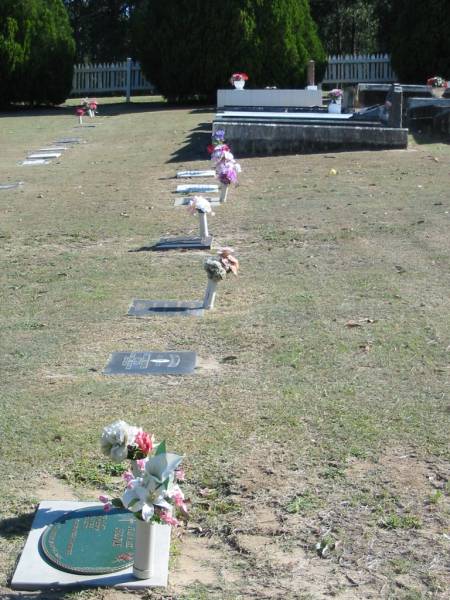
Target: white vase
x=223 y=193
x=335 y=107
x=204 y=233
x=144 y=549
x=239 y=84
x=210 y=295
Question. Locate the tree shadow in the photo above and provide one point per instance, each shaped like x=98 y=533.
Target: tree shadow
x=195 y=147
x=16 y=526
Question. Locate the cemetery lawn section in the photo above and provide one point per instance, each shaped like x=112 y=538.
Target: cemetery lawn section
x=316 y=427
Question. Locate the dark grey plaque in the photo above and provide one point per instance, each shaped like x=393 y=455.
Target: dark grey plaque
x=194 y=243
x=10 y=186
x=151 y=363
x=72 y=140
x=166 y=308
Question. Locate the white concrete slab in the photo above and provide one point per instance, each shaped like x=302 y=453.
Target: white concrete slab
x=229 y=114
x=53 y=149
x=269 y=98
x=197 y=187
x=44 y=155
x=34 y=573
x=29 y=163
x=213 y=200
x=189 y=174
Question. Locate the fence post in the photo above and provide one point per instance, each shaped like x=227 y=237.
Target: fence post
x=128 y=89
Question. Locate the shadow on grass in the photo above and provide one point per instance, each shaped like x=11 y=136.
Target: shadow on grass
x=195 y=145
x=14 y=526
x=428 y=135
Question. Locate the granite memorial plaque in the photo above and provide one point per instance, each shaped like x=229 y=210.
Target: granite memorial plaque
x=37 y=161
x=10 y=186
x=189 y=174
x=151 y=363
x=35 y=572
x=44 y=155
x=194 y=188
x=213 y=200
x=165 y=308
x=91 y=541
x=183 y=243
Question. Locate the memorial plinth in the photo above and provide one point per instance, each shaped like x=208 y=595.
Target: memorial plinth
x=35 y=571
x=268 y=98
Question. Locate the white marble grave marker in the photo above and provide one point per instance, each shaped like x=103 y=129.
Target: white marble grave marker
x=44 y=155
x=194 y=187
x=29 y=163
x=189 y=174
x=213 y=200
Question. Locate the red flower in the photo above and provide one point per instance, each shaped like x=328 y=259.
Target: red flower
x=80 y=112
x=210 y=148
x=144 y=441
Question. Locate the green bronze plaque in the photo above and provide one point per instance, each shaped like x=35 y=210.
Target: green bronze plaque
x=91 y=541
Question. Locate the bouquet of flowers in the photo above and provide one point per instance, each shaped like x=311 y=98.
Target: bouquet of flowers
x=218 y=267
x=227 y=168
x=199 y=204
x=335 y=94
x=238 y=77
x=90 y=105
x=437 y=81
x=152 y=491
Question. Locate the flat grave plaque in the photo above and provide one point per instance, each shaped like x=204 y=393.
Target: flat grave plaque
x=165 y=308
x=213 y=200
x=10 y=186
x=183 y=243
x=53 y=149
x=91 y=541
x=35 y=572
x=44 y=155
x=37 y=161
x=73 y=140
x=188 y=174
x=197 y=187
x=151 y=363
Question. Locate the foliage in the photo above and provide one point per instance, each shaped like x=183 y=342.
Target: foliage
x=36 y=52
x=101 y=29
x=193 y=56
x=420 y=46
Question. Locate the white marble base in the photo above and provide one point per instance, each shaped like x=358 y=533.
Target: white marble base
x=40 y=161
x=44 y=155
x=213 y=200
x=53 y=149
x=34 y=573
x=189 y=174
x=192 y=188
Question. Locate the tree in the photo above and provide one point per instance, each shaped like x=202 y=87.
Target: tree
x=36 y=51
x=420 y=47
x=189 y=48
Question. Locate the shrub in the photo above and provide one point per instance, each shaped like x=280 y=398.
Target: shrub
x=36 y=52
x=189 y=48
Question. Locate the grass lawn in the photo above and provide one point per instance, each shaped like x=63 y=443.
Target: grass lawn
x=316 y=429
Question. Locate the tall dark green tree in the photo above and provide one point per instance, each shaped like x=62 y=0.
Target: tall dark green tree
x=101 y=28
x=190 y=47
x=36 y=52
x=420 y=40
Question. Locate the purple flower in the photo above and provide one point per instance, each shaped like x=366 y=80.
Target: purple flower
x=219 y=135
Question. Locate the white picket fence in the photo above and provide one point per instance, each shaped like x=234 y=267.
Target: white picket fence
x=127 y=78
x=369 y=68
x=123 y=77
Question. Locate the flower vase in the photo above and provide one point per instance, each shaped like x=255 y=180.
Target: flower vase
x=335 y=106
x=223 y=193
x=144 y=549
x=204 y=233
x=210 y=294
x=239 y=84
x=437 y=92
x=80 y=120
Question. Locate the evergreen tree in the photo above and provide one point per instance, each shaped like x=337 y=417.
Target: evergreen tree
x=190 y=48
x=36 y=51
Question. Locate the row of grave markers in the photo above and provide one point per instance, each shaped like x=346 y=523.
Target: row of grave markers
x=178 y=363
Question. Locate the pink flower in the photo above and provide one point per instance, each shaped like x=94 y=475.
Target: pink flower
x=168 y=519
x=127 y=476
x=180 y=475
x=140 y=463
x=144 y=441
x=104 y=499
x=80 y=112
x=106 y=503
x=107 y=507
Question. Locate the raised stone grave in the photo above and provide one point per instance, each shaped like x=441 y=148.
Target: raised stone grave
x=151 y=363
x=189 y=174
x=213 y=200
x=78 y=544
x=165 y=308
x=268 y=98
x=193 y=188
x=44 y=155
x=10 y=186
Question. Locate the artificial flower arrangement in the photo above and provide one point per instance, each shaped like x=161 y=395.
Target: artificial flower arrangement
x=227 y=168
x=335 y=94
x=152 y=492
x=437 y=81
x=217 y=268
x=90 y=105
x=238 y=77
x=80 y=112
x=199 y=204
